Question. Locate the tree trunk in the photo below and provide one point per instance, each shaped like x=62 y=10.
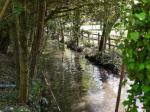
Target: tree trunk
x=102 y=40
x=62 y=32
x=23 y=54
x=105 y=35
x=108 y=24
x=76 y=29
x=38 y=37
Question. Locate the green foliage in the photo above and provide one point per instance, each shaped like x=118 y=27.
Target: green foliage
x=136 y=55
x=17 y=9
x=35 y=91
x=21 y=109
x=35 y=94
x=87 y=44
x=133 y=36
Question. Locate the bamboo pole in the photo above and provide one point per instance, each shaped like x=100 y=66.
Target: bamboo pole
x=4 y=9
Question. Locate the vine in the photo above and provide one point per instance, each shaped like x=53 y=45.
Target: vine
x=136 y=55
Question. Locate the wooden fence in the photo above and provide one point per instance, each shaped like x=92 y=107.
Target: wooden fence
x=94 y=38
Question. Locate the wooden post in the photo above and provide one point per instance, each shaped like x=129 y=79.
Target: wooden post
x=82 y=35
x=93 y=39
x=109 y=43
x=89 y=37
x=98 y=40
x=70 y=34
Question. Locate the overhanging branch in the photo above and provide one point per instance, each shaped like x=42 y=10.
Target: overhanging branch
x=67 y=9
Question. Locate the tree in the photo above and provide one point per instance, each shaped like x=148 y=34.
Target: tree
x=111 y=15
x=38 y=37
x=4 y=9
x=23 y=54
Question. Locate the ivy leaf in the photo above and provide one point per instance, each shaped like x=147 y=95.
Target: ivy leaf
x=145 y=1
x=141 y=16
x=126 y=103
x=134 y=109
x=141 y=66
x=148 y=66
x=148 y=35
x=130 y=66
x=145 y=88
x=134 y=35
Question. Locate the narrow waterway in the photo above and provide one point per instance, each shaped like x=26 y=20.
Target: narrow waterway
x=78 y=85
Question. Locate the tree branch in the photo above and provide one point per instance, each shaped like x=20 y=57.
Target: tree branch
x=4 y=9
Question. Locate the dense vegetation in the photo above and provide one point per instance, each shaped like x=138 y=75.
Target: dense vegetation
x=136 y=55
x=25 y=26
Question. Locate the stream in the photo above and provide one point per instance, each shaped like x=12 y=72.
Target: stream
x=78 y=85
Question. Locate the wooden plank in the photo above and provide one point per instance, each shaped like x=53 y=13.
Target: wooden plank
x=111 y=44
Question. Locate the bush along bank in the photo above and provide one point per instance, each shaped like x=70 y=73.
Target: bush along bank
x=72 y=45
x=110 y=60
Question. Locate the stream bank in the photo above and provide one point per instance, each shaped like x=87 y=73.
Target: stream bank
x=110 y=60
x=78 y=85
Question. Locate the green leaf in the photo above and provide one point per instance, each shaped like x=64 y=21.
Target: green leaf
x=146 y=88
x=134 y=35
x=148 y=66
x=131 y=66
x=148 y=35
x=134 y=109
x=126 y=103
x=141 y=66
x=145 y=1
x=141 y=16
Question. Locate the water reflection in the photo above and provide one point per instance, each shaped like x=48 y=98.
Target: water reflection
x=78 y=85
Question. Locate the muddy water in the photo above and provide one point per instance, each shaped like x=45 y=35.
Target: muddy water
x=78 y=85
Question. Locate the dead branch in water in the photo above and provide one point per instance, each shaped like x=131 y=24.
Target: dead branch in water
x=50 y=90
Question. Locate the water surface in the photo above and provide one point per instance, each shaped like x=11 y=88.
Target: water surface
x=78 y=85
